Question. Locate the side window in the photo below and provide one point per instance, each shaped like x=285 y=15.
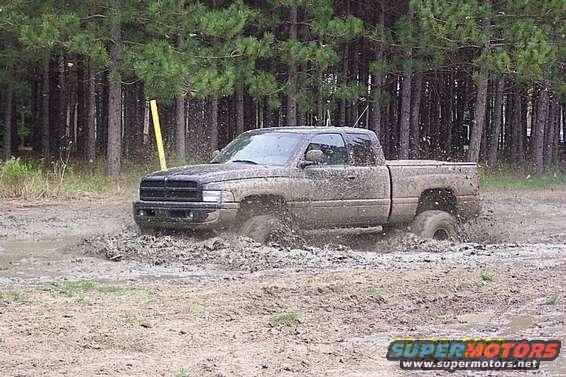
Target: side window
x=333 y=148
x=361 y=151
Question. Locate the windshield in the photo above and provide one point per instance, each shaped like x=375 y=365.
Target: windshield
x=273 y=148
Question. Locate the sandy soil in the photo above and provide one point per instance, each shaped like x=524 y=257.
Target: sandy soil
x=82 y=294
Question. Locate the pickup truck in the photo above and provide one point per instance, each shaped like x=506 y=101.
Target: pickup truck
x=314 y=177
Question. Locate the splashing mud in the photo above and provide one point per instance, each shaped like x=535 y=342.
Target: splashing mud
x=224 y=252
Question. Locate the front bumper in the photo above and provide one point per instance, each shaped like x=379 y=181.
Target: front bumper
x=184 y=215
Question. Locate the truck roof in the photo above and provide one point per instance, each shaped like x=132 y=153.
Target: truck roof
x=311 y=129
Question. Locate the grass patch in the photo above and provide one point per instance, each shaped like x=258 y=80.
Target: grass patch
x=487 y=276
x=552 y=299
x=74 y=288
x=372 y=291
x=181 y=372
x=286 y=319
x=114 y=290
x=65 y=180
x=10 y=297
x=68 y=179
x=513 y=179
x=196 y=307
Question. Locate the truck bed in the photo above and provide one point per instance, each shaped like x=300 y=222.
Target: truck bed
x=410 y=178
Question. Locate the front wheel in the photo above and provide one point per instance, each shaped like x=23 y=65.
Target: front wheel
x=259 y=227
x=435 y=224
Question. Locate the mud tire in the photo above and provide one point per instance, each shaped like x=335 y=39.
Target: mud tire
x=259 y=227
x=435 y=224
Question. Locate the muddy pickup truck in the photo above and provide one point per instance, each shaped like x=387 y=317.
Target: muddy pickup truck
x=314 y=177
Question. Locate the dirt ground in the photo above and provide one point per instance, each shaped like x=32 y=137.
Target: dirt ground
x=82 y=294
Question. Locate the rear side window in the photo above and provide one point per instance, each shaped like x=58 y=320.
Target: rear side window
x=333 y=148
x=360 y=149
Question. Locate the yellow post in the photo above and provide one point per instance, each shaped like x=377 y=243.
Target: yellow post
x=158 y=138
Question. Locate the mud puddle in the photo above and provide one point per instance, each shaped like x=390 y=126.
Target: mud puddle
x=231 y=253
x=62 y=259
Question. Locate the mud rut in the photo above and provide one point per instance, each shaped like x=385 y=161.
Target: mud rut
x=210 y=305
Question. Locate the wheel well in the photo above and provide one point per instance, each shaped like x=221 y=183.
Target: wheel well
x=261 y=204
x=439 y=198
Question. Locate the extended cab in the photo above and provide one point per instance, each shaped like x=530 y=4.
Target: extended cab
x=317 y=177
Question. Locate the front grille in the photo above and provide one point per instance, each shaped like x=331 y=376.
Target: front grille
x=170 y=190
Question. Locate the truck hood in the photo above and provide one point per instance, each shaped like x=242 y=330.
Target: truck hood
x=206 y=173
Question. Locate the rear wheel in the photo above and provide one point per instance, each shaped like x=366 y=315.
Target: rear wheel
x=435 y=224
x=259 y=227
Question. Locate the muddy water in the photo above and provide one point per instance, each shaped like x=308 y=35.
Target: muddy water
x=209 y=305
x=62 y=259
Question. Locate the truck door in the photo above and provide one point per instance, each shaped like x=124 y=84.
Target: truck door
x=329 y=194
x=371 y=179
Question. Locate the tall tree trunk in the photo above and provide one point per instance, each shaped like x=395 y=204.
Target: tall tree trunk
x=556 y=141
x=406 y=92
x=8 y=116
x=446 y=122
x=549 y=134
x=180 y=127
x=239 y=109
x=114 y=150
x=180 y=134
x=268 y=114
x=213 y=123
x=479 y=118
x=496 y=125
x=344 y=80
x=291 y=97
x=90 y=146
x=81 y=106
x=45 y=110
x=62 y=106
x=35 y=136
x=415 y=116
x=516 y=129
x=564 y=129
x=538 y=137
x=405 y=123
x=377 y=83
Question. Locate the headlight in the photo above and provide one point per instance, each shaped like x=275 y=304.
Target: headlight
x=217 y=196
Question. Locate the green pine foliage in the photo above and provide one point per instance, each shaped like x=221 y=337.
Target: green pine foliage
x=206 y=49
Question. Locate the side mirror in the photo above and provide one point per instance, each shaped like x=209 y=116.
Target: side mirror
x=312 y=157
x=215 y=154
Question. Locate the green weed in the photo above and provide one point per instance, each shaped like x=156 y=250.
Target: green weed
x=487 y=276
x=181 y=372
x=15 y=170
x=552 y=300
x=72 y=288
x=10 y=297
x=517 y=178
x=286 y=319
x=372 y=291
